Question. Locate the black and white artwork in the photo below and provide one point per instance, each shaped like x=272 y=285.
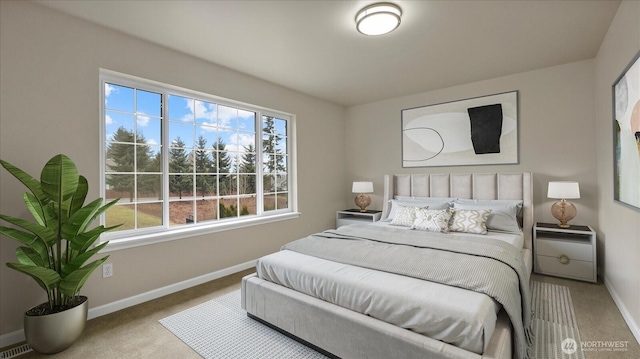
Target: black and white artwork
x=476 y=131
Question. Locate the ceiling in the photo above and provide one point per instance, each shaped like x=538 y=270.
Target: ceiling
x=313 y=46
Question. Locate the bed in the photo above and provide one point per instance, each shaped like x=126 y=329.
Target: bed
x=351 y=310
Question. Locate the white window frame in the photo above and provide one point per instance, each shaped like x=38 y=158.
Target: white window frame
x=138 y=237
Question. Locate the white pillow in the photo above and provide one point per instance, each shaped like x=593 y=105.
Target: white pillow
x=502 y=218
x=432 y=203
x=405 y=216
x=433 y=220
x=469 y=221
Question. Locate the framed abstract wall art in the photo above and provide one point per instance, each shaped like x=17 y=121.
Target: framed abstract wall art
x=476 y=131
x=626 y=135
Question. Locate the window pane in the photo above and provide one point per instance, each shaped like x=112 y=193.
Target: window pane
x=248 y=206
x=227 y=185
x=269 y=202
x=280 y=127
x=149 y=215
x=119 y=127
x=121 y=214
x=269 y=183
x=149 y=103
x=280 y=163
x=181 y=135
x=281 y=183
x=247 y=163
x=282 y=200
x=149 y=188
x=181 y=213
x=227 y=117
x=246 y=121
x=206 y=186
x=180 y=161
x=246 y=184
x=154 y=161
x=119 y=186
x=118 y=98
x=206 y=114
x=180 y=186
x=204 y=161
x=120 y=157
x=181 y=109
x=207 y=209
x=151 y=132
x=228 y=207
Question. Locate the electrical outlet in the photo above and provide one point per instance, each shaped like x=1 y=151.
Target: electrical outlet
x=107 y=270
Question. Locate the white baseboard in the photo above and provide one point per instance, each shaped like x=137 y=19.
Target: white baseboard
x=18 y=336
x=633 y=326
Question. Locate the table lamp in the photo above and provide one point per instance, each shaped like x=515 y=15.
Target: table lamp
x=362 y=200
x=562 y=210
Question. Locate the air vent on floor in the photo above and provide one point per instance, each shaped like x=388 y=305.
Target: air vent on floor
x=14 y=352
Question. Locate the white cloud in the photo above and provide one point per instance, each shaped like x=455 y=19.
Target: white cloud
x=108 y=120
x=151 y=141
x=142 y=119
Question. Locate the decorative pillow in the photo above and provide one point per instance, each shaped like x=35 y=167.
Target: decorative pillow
x=433 y=220
x=502 y=218
x=470 y=221
x=405 y=216
x=432 y=203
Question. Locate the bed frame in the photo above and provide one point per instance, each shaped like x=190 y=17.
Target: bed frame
x=347 y=334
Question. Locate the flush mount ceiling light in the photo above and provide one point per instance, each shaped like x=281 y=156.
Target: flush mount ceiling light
x=378 y=19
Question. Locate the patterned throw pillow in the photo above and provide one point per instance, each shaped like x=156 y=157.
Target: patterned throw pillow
x=432 y=220
x=469 y=221
x=405 y=216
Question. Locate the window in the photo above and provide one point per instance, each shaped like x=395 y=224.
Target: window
x=178 y=159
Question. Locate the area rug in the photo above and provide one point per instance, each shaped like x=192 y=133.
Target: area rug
x=221 y=329
x=554 y=323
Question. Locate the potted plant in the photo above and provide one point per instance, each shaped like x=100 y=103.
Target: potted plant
x=54 y=249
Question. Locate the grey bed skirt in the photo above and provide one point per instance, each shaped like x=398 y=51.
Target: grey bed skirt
x=350 y=335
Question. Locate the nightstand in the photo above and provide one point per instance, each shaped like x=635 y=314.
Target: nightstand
x=351 y=216
x=565 y=252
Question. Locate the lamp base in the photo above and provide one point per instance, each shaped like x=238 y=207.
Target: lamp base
x=362 y=201
x=564 y=212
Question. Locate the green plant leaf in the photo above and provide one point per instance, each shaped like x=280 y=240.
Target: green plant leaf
x=46 y=235
x=78 y=198
x=28 y=256
x=59 y=181
x=80 y=220
x=33 y=205
x=79 y=260
x=71 y=284
x=31 y=183
x=34 y=242
x=46 y=278
x=85 y=240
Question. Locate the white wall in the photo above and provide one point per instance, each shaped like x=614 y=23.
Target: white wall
x=49 y=104
x=556 y=132
x=619 y=224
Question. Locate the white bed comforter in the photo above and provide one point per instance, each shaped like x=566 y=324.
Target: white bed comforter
x=453 y=315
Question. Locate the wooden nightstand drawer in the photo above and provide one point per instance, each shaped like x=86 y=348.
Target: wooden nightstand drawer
x=575 y=250
x=572 y=268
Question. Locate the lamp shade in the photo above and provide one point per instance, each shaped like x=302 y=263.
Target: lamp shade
x=362 y=187
x=563 y=190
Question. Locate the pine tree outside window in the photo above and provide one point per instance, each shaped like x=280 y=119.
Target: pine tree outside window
x=179 y=159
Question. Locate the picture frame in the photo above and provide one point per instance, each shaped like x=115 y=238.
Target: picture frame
x=626 y=135
x=475 y=131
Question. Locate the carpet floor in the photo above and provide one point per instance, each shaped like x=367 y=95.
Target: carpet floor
x=221 y=329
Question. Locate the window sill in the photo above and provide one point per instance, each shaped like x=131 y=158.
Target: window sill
x=143 y=240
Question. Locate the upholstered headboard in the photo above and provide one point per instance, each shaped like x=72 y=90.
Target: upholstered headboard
x=466 y=185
